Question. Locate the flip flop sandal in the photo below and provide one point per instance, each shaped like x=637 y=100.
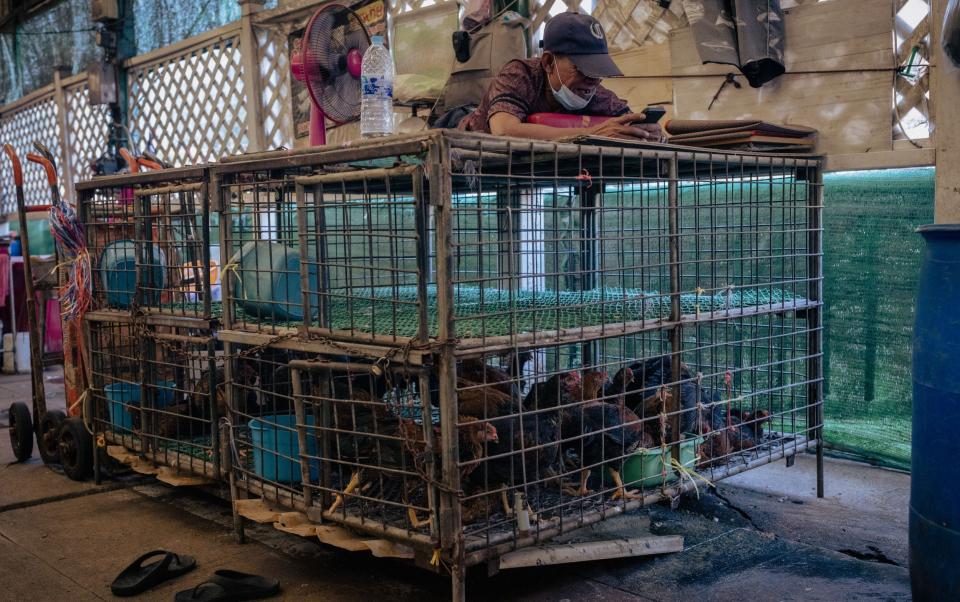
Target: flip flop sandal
x=233 y=586
x=141 y=575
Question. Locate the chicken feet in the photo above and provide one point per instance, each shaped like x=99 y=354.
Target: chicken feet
x=351 y=485
x=582 y=490
x=621 y=491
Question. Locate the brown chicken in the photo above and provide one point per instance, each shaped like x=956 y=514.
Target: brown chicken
x=472 y=438
x=478 y=371
x=484 y=401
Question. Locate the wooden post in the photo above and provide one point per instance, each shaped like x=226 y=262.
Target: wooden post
x=66 y=170
x=945 y=97
x=251 y=74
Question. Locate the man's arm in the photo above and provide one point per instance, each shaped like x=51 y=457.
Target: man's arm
x=506 y=124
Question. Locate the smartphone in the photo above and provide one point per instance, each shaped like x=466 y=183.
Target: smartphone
x=653 y=115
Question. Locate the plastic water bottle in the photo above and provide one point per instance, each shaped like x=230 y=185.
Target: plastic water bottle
x=376 y=81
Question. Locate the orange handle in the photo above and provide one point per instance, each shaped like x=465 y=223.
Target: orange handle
x=131 y=160
x=17 y=168
x=149 y=164
x=47 y=166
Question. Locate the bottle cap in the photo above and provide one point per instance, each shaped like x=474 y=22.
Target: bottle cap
x=377 y=39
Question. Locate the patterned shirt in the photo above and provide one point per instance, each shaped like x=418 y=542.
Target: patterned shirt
x=521 y=89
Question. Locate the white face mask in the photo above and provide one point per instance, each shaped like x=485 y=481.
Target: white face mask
x=567 y=97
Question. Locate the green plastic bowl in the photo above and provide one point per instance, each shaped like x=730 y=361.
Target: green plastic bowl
x=646 y=467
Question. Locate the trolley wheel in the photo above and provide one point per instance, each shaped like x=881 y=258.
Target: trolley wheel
x=76 y=449
x=48 y=434
x=21 y=431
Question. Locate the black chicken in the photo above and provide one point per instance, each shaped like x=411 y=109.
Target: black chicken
x=609 y=432
x=527 y=451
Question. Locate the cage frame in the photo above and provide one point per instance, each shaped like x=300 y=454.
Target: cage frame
x=147 y=446
x=442 y=353
x=445 y=350
x=183 y=181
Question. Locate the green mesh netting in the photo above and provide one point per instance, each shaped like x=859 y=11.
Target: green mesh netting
x=197 y=447
x=488 y=312
x=871 y=264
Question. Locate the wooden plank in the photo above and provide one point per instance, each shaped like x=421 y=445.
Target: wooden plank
x=648 y=79
x=550 y=554
x=915 y=157
x=851 y=110
x=945 y=93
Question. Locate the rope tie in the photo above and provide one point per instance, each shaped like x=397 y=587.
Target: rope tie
x=234 y=267
x=688 y=473
x=728 y=383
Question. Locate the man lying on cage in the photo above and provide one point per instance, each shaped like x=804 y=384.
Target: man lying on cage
x=565 y=79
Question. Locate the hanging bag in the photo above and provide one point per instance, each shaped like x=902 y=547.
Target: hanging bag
x=951 y=32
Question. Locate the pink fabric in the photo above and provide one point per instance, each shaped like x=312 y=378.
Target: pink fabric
x=53 y=333
x=4 y=278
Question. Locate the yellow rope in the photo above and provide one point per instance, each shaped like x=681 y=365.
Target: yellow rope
x=233 y=266
x=700 y=291
x=689 y=473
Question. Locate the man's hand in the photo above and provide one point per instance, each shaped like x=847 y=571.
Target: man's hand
x=626 y=127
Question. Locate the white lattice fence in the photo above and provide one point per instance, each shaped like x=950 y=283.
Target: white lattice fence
x=89 y=130
x=912 y=86
x=274 y=63
x=189 y=106
x=33 y=121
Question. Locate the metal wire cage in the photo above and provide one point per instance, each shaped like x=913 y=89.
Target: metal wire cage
x=157 y=391
x=337 y=436
x=260 y=242
x=148 y=235
x=544 y=241
x=468 y=344
x=471 y=344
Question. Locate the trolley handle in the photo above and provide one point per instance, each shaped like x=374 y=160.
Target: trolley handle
x=131 y=160
x=17 y=167
x=47 y=166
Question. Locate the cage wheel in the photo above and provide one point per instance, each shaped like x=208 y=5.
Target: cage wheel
x=76 y=449
x=47 y=436
x=21 y=431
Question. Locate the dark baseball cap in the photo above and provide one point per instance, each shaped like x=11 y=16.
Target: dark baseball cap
x=581 y=38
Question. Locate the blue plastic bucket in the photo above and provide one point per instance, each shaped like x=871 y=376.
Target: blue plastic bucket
x=118 y=273
x=276 y=449
x=123 y=397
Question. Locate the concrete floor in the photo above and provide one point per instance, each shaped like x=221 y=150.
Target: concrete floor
x=763 y=536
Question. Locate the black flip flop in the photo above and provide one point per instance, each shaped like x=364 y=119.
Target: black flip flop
x=141 y=576
x=234 y=586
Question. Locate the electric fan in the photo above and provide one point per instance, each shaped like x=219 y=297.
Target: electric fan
x=328 y=63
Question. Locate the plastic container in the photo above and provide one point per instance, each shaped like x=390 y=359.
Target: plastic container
x=118 y=274
x=376 y=84
x=23 y=353
x=645 y=468
x=935 y=474
x=9 y=357
x=124 y=396
x=276 y=449
x=266 y=282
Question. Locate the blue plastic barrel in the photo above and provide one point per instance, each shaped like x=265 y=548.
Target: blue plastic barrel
x=935 y=480
x=266 y=281
x=276 y=448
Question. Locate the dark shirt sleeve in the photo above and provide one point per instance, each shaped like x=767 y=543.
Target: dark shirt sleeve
x=511 y=92
x=605 y=102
